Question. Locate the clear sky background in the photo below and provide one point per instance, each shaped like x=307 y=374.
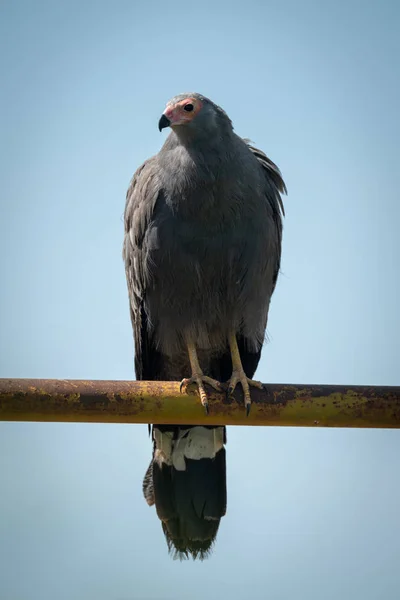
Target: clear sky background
x=311 y=513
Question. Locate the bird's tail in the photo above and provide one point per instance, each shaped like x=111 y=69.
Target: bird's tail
x=186 y=480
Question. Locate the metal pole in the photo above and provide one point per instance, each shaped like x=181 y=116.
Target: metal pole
x=161 y=402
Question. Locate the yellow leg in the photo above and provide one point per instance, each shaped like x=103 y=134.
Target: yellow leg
x=198 y=377
x=238 y=374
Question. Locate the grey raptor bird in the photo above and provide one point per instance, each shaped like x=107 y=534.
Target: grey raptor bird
x=202 y=249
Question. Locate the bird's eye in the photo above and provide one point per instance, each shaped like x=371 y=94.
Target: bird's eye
x=188 y=107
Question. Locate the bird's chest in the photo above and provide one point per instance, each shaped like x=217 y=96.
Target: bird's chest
x=208 y=240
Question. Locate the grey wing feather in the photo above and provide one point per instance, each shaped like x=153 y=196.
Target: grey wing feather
x=275 y=186
x=140 y=204
x=273 y=173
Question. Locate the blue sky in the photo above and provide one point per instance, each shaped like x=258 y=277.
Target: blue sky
x=311 y=513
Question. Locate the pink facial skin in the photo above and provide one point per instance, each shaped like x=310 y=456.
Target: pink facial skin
x=177 y=113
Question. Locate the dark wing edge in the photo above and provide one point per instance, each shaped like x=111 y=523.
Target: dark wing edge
x=140 y=204
x=273 y=172
x=274 y=188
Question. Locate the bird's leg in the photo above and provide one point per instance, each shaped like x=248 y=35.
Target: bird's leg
x=198 y=377
x=238 y=374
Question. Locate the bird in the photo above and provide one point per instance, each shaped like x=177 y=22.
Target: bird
x=202 y=252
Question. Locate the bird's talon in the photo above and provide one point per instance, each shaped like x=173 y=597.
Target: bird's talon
x=199 y=379
x=240 y=377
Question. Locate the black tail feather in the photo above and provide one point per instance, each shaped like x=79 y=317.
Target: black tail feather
x=191 y=503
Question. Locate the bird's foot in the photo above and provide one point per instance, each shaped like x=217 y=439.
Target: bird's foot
x=200 y=380
x=240 y=376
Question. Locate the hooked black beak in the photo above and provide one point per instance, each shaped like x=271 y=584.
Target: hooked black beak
x=163 y=122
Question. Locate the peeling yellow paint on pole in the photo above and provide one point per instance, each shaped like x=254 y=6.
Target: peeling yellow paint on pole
x=161 y=402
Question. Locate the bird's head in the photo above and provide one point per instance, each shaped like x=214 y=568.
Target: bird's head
x=193 y=111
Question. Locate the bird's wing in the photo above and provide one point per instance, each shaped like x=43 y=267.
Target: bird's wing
x=274 y=187
x=141 y=199
x=274 y=175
